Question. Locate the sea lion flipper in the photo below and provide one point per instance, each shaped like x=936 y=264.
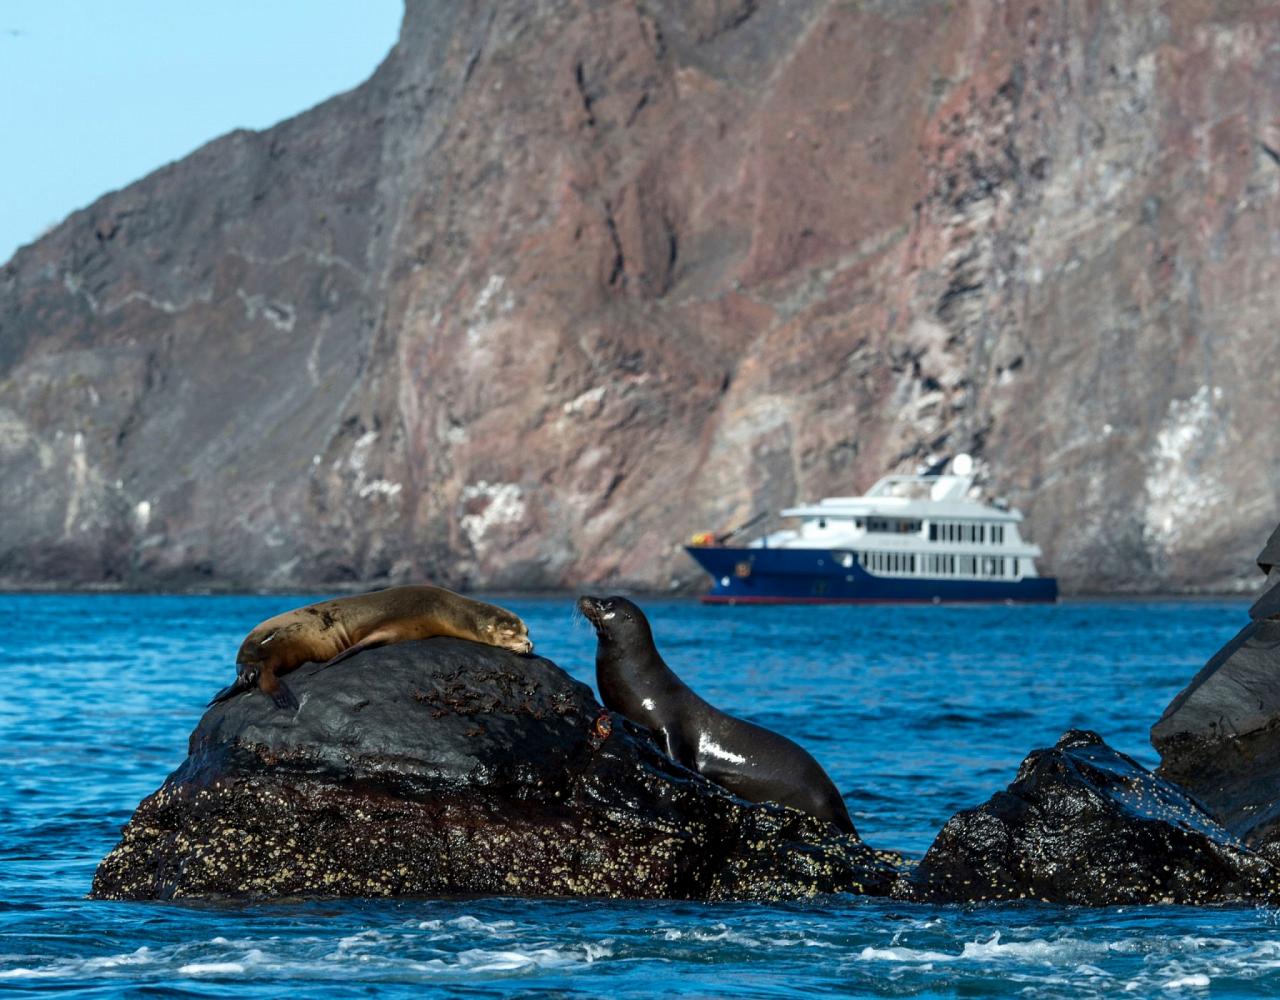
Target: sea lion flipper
x=377 y=638
x=230 y=691
x=283 y=696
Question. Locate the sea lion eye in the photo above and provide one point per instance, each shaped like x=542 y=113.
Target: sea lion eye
x=266 y=640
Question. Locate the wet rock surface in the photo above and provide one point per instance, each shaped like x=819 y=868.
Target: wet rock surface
x=1220 y=736
x=1085 y=824
x=445 y=767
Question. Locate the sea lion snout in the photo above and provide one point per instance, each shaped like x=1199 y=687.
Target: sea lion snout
x=594 y=609
x=609 y=615
x=517 y=643
x=509 y=633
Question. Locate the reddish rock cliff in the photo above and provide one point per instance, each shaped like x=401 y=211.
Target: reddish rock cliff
x=564 y=282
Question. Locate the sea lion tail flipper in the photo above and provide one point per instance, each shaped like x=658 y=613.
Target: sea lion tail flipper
x=283 y=696
x=230 y=691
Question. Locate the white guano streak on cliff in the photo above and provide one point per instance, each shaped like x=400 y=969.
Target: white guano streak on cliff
x=1179 y=494
x=505 y=505
x=79 y=478
x=584 y=400
x=365 y=487
x=481 y=314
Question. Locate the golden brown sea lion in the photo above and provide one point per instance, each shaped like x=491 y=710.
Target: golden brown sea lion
x=331 y=631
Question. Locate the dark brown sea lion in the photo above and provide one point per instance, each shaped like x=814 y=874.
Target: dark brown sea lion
x=754 y=763
x=331 y=631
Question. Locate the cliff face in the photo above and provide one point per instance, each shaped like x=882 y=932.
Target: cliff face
x=563 y=283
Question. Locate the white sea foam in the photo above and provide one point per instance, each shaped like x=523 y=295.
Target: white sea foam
x=992 y=949
x=1196 y=979
x=211 y=968
x=904 y=955
x=717 y=933
x=100 y=963
x=21 y=973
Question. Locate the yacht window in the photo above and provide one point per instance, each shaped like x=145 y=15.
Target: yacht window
x=845 y=559
x=933 y=532
x=898 y=525
x=822 y=523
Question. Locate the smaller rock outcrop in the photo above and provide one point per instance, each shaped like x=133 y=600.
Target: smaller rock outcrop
x=1085 y=824
x=444 y=767
x=1220 y=736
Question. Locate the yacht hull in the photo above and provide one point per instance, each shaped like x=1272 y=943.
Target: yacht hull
x=816 y=576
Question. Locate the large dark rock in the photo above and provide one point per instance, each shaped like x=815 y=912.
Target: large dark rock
x=1220 y=736
x=445 y=767
x=1084 y=824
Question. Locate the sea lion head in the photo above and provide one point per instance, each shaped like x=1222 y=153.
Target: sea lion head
x=615 y=619
x=255 y=654
x=504 y=629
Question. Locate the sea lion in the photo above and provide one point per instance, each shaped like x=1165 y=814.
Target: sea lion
x=331 y=631
x=754 y=763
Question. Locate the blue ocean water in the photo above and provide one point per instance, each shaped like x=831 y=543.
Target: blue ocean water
x=915 y=712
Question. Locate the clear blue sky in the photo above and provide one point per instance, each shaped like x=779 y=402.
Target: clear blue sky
x=97 y=93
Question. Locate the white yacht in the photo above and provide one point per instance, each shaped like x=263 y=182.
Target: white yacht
x=924 y=538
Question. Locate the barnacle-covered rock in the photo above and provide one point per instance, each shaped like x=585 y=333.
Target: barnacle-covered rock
x=1085 y=824
x=445 y=767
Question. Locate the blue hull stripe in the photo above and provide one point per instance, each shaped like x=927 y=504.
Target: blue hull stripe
x=804 y=576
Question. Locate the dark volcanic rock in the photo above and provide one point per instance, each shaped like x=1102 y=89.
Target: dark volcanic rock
x=1220 y=737
x=1084 y=824
x=446 y=767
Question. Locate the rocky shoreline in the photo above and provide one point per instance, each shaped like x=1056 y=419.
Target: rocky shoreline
x=443 y=767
